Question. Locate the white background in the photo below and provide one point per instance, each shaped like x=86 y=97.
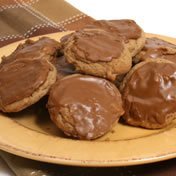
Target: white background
x=154 y=16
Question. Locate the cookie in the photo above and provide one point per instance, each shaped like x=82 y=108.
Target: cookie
x=63 y=67
x=65 y=38
x=132 y=34
x=119 y=79
x=97 y=52
x=23 y=82
x=148 y=93
x=156 y=48
x=43 y=48
x=84 y=107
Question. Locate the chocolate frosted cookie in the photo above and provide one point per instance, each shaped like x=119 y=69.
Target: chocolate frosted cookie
x=44 y=48
x=23 y=82
x=157 y=48
x=131 y=33
x=97 y=52
x=84 y=107
x=63 y=67
x=149 y=94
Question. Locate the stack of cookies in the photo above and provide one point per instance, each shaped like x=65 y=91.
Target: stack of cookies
x=92 y=77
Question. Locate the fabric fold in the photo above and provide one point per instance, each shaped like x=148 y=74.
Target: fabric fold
x=20 y=19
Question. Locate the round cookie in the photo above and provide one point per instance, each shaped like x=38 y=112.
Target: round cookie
x=149 y=94
x=63 y=67
x=65 y=38
x=23 y=82
x=44 y=48
x=96 y=52
x=156 y=48
x=84 y=107
x=131 y=33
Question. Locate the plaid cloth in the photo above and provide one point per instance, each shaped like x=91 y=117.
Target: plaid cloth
x=21 y=19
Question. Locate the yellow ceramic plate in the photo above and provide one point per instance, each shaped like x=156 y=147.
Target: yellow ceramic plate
x=31 y=134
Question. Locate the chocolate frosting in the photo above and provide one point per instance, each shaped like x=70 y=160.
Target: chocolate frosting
x=63 y=67
x=96 y=45
x=65 y=38
x=21 y=78
x=42 y=48
x=128 y=29
x=93 y=103
x=157 y=48
x=150 y=94
x=157 y=43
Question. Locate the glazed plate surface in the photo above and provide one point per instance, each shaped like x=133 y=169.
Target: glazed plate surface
x=31 y=134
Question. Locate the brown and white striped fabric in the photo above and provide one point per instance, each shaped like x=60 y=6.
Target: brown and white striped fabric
x=21 y=19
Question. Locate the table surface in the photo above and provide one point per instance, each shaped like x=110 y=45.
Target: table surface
x=153 y=16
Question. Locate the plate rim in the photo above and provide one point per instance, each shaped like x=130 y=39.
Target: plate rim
x=78 y=162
